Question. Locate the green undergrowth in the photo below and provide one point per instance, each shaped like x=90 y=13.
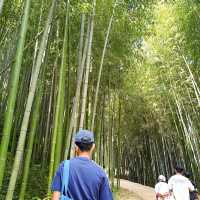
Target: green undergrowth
x=37 y=183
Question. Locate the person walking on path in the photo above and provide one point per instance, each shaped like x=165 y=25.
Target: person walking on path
x=193 y=194
x=179 y=185
x=162 y=189
x=87 y=180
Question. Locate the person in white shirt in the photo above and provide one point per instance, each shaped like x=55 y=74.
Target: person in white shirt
x=162 y=189
x=179 y=185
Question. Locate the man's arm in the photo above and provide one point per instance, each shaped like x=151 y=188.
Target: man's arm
x=55 y=196
x=190 y=186
x=105 y=191
x=170 y=185
x=57 y=183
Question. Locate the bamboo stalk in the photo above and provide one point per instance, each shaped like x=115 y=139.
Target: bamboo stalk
x=85 y=85
x=1 y=6
x=14 y=80
x=61 y=94
x=33 y=84
x=101 y=65
x=77 y=95
x=34 y=123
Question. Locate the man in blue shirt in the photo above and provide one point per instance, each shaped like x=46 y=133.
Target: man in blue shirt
x=87 y=180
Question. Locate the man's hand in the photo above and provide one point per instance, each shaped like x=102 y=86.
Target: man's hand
x=55 y=196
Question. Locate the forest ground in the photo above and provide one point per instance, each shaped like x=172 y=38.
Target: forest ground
x=134 y=191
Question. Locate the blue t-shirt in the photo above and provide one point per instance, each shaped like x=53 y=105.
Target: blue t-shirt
x=87 y=180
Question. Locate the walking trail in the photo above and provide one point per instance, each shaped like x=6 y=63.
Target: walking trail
x=134 y=191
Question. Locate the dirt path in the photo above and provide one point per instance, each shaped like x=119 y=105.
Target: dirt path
x=134 y=191
x=127 y=195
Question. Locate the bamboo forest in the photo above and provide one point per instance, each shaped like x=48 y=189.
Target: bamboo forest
x=125 y=69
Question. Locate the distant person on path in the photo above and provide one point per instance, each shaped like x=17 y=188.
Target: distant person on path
x=179 y=185
x=162 y=189
x=193 y=194
x=87 y=180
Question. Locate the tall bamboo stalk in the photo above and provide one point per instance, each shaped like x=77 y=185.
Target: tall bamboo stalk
x=80 y=56
x=1 y=6
x=58 y=128
x=33 y=84
x=85 y=85
x=33 y=127
x=77 y=95
x=80 y=52
x=44 y=153
x=101 y=65
x=14 y=80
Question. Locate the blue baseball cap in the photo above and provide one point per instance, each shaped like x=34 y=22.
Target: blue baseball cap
x=84 y=136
